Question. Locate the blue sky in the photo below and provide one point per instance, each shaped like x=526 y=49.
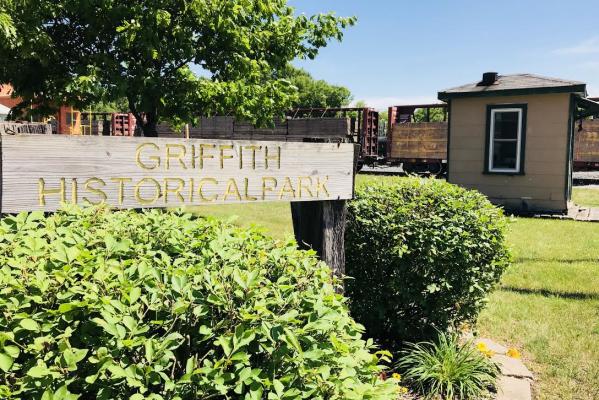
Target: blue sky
x=402 y=52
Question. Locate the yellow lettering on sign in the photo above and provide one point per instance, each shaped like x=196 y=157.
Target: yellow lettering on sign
x=232 y=190
x=224 y=156
x=121 y=182
x=203 y=197
x=154 y=158
x=43 y=191
x=266 y=187
x=147 y=201
x=203 y=155
x=322 y=186
x=177 y=190
x=302 y=186
x=191 y=189
x=276 y=157
x=88 y=186
x=253 y=149
x=246 y=196
x=178 y=155
x=193 y=157
x=74 y=194
x=287 y=189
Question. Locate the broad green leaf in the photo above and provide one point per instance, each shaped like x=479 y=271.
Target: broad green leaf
x=134 y=294
x=149 y=350
x=6 y=362
x=38 y=371
x=12 y=351
x=292 y=340
x=29 y=324
x=279 y=387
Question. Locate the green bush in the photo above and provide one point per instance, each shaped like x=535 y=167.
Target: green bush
x=165 y=305
x=423 y=255
x=447 y=369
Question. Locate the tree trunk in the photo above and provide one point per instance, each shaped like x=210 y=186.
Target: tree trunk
x=149 y=124
x=147 y=121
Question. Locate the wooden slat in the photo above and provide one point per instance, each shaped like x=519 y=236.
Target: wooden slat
x=586 y=142
x=135 y=172
x=426 y=140
x=319 y=127
x=291 y=130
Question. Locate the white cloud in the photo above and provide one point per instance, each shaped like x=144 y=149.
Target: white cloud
x=589 y=46
x=383 y=103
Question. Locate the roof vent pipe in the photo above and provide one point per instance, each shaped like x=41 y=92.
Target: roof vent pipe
x=489 y=78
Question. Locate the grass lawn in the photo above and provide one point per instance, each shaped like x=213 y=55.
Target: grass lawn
x=586 y=196
x=548 y=306
x=548 y=302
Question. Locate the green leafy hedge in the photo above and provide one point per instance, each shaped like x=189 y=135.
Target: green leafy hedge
x=164 y=305
x=423 y=255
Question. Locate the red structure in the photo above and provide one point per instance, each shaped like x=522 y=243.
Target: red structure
x=68 y=121
x=123 y=124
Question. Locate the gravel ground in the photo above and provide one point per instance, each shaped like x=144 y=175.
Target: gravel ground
x=587 y=175
x=382 y=169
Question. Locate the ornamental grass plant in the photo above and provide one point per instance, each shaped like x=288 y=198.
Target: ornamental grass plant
x=448 y=369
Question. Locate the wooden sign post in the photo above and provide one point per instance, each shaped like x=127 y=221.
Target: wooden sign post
x=40 y=172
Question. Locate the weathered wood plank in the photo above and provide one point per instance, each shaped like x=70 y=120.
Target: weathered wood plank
x=291 y=130
x=419 y=140
x=333 y=235
x=586 y=142
x=130 y=172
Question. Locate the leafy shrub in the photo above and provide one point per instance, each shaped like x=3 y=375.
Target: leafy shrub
x=447 y=369
x=423 y=254
x=157 y=305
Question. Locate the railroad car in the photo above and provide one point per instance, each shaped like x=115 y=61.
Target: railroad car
x=417 y=138
x=420 y=144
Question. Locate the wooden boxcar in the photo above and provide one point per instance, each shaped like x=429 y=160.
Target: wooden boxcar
x=586 y=145
x=417 y=143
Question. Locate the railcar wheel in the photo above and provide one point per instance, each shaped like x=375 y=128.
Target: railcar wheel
x=435 y=168
x=408 y=168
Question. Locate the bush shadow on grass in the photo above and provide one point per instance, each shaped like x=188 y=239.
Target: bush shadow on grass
x=552 y=293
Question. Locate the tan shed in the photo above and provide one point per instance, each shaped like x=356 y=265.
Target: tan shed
x=511 y=138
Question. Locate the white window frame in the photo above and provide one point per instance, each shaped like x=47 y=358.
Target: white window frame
x=492 y=140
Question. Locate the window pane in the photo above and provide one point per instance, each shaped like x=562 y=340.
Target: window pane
x=505 y=154
x=506 y=125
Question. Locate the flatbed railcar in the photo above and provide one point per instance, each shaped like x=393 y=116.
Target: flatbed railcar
x=364 y=127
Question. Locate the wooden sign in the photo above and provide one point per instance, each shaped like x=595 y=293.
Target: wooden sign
x=41 y=172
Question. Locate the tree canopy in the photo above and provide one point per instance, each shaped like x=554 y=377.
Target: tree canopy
x=435 y=115
x=314 y=93
x=83 y=52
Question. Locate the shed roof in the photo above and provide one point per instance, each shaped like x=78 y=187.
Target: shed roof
x=515 y=84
